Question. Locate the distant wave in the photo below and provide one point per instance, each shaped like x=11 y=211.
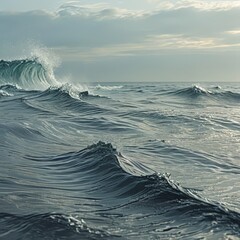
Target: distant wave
x=196 y=91
x=193 y=91
x=108 y=88
x=228 y=95
x=29 y=74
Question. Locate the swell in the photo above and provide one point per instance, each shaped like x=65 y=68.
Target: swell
x=198 y=91
x=55 y=100
x=193 y=91
x=103 y=173
x=64 y=98
x=29 y=74
x=228 y=95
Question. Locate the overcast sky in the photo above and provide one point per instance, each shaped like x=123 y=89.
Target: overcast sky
x=134 y=40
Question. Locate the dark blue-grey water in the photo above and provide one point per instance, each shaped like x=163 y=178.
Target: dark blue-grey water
x=120 y=161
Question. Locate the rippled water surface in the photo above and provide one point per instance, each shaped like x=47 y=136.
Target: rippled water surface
x=117 y=160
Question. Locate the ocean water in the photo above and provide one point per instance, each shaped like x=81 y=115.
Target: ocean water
x=117 y=160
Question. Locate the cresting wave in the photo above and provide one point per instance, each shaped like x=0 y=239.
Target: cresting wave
x=104 y=173
x=65 y=98
x=193 y=91
x=29 y=74
x=197 y=91
x=34 y=74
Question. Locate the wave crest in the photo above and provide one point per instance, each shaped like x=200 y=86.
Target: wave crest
x=198 y=91
x=29 y=74
x=101 y=171
x=193 y=91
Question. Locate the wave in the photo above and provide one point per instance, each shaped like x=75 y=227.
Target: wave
x=48 y=226
x=103 y=173
x=104 y=184
x=193 y=91
x=29 y=74
x=197 y=91
x=228 y=95
x=61 y=99
x=108 y=88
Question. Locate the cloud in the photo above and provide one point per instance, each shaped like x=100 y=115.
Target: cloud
x=98 y=27
x=234 y=32
x=174 y=42
x=98 y=11
x=197 y=4
x=98 y=33
x=151 y=45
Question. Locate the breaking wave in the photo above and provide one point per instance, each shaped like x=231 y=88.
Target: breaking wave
x=29 y=74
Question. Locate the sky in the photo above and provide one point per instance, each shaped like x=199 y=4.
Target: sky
x=119 y=40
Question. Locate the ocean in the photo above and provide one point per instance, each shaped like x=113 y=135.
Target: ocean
x=116 y=160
